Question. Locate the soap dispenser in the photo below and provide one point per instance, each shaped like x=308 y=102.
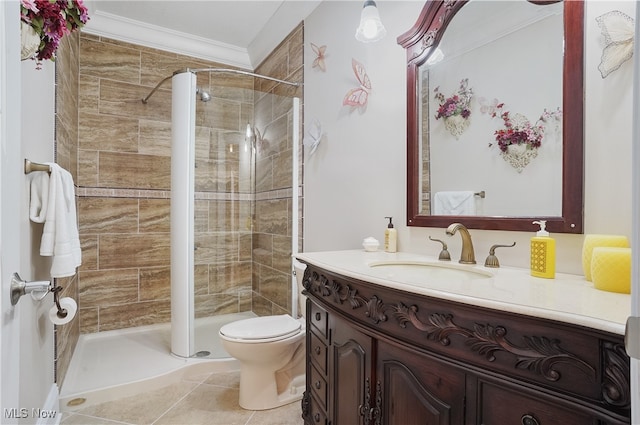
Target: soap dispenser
x=390 y=237
x=543 y=253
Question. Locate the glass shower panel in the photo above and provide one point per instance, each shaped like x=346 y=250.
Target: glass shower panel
x=242 y=207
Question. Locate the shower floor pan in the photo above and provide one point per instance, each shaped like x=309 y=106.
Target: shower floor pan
x=114 y=364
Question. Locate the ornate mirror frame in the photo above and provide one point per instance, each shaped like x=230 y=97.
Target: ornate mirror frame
x=421 y=40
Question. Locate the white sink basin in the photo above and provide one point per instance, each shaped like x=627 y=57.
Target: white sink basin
x=428 y=271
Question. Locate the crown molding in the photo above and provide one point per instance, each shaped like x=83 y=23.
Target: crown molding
x=128 y=30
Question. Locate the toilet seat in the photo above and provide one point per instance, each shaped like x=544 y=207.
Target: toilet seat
x=261 y=329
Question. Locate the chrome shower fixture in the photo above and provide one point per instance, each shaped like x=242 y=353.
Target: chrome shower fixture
x=204 y=96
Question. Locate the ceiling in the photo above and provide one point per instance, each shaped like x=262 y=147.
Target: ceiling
x=249 y=26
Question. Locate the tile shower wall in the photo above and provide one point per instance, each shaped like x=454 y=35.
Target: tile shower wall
x=66 y=134
x=124 y=165
x=123 y=177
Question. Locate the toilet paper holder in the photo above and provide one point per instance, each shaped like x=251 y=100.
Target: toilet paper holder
x=37 y=289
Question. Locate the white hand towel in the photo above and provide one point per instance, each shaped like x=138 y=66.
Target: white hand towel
x=454 y=203
x=38 y=196
x=60 y=234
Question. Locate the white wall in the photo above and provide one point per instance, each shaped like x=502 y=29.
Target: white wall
x=9 y=154
x=357 y=176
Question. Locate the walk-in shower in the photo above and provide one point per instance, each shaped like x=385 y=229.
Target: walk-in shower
x=222 y=179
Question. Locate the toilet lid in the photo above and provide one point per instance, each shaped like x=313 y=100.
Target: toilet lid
x=264 y=327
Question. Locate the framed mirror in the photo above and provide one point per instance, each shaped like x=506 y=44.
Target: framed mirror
x=508 y=69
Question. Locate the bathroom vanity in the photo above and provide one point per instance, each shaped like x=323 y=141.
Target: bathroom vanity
x=405 y=339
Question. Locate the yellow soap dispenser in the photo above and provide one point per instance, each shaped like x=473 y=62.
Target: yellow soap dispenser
x=543 y=253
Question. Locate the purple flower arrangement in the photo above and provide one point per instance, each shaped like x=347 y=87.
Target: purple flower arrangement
x=51 y=20
x=457 y=104
x=518 y=130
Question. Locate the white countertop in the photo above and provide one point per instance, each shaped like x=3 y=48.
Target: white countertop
x=567 y=298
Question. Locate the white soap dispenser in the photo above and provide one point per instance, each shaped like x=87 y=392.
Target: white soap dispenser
x=390 y=237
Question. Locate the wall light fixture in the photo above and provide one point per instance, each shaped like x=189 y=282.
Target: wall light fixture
x=370 y=28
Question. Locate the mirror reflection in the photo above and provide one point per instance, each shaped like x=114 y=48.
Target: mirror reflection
x=491 y=110
x=495 y=114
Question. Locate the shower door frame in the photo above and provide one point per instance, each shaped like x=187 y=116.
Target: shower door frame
x=183 y=128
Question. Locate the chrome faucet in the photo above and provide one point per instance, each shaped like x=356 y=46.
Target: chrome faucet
x=467 y=256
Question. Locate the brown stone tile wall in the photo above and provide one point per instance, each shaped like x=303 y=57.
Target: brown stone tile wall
x=124 y=179
x=66 y=111
x=273 y=215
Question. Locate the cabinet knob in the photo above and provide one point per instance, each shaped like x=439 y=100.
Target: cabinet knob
x=317 y=350
x=316 y=417
x=318 y=316
x=529 y=420
x=318 y=385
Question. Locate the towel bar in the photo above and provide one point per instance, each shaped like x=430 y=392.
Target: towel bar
x=34 y=166
x=480 y=194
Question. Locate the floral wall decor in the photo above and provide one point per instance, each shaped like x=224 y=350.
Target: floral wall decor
x=358 y=96
x=617 y=30
x=454 y=110
x=320 y=53
x=45 y=22
x=520 y=140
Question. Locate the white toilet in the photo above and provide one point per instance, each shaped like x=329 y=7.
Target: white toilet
x=271 y=352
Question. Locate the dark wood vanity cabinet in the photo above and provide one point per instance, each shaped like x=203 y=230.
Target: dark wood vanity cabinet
x=377 y=355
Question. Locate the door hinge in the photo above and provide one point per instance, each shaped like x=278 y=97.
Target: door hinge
x=632 y=337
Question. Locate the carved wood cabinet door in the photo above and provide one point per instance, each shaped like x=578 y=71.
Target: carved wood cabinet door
x=418 y=389
x=351 y=364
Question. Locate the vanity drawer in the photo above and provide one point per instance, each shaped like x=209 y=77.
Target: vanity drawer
x=318 y=352
x=318 y=318
x=316 y=414
x=319 y=386
x=501 y=405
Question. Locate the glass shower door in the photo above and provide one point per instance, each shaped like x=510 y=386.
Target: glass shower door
x=244 y=212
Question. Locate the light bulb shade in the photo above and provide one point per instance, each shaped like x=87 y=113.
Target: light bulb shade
x=370 y=28
x=435 y=57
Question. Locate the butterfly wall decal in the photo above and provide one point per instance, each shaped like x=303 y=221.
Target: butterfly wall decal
x=358 y=96
x=315 y=135
x=489 y=108
x=617 y=29
x=318 y=62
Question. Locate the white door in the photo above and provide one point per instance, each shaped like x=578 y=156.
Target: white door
x=9 y=208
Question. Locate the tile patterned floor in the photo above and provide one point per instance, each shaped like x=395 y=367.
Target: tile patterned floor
x=210 y=399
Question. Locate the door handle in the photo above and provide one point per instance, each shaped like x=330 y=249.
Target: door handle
x=632 y=337
x=21 y=287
